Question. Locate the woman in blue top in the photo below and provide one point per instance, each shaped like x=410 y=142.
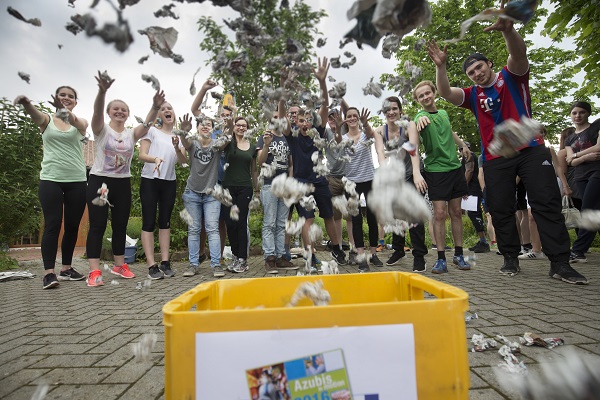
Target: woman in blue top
x=62 y=180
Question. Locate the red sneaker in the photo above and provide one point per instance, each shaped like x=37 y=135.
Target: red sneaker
x=122 y=271
x=94 y=278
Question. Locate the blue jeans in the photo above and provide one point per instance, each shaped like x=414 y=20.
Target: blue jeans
x=199 y=206
x=275 y=214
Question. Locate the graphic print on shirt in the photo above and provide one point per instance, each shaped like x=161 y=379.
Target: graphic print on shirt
x=281 y=153
x=116 y=153
x=203 y=156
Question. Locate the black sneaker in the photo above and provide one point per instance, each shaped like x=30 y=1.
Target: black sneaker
x=339 y=256
x=70 y=275
x=577 y=258
x=352 y=257
x=49 y=281
x=363 y=267
x=510 y=267
x=376 y=261
x=419 y=265
x=165 y=267
x=155 y=273
x=396 y=256
x=480 y=247
x=566 y=273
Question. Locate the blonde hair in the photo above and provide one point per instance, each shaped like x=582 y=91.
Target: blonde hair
x=115 y=100
x=421 y=84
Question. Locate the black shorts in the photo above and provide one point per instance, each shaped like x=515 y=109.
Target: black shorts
x=322 y=196
x=445 y=186
x=521 y=200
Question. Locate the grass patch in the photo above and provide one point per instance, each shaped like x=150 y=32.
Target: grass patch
x=7 y=263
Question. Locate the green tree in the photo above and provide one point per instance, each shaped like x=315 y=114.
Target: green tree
x=547 y=85
x=297 y=22
x=579 y=19
x=21 y=155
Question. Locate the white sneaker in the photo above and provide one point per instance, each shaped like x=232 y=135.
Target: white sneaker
x=531 y=255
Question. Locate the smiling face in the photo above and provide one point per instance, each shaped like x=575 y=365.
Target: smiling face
x=425 y=96
x=205 y=128
x=166 y=113
x=579 y=115
x=240 y=127
x=352 y=117
x=67 y=97
x=117 y=111
x=481 y=73
x=392 y=111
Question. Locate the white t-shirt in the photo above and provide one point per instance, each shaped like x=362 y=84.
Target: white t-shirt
x=114 y=152
x=161 y=146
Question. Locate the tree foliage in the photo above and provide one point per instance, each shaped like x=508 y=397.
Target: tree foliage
x=579 y=19
x=21 y=155
x=548 y=84
x=297 y=22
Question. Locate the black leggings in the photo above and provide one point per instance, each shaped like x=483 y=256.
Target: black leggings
x=357 y=221
x=590 y=196
x=237 y=231
x=53 y=197
x=153 y=193
x=119 y=195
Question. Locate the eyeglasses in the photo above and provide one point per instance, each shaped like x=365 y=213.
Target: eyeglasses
x=241 y=125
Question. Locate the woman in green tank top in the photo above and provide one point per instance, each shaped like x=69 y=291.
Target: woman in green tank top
x=62 y=180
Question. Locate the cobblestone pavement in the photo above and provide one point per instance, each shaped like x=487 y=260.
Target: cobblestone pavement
x=77 y=339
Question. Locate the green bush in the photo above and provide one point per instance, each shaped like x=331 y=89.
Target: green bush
x=7 y=262
x=21 y=155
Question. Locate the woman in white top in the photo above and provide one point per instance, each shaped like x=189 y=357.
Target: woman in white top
x=114 y=150
x=160 y=150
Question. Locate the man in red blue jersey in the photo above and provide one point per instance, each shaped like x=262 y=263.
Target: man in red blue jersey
x=495 y=98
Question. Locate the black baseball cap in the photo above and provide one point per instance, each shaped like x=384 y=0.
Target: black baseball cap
x=473 y=58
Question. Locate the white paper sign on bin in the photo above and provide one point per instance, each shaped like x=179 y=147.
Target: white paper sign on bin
x=379 y=361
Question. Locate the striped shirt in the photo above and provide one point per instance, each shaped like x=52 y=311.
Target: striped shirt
x=360 y=168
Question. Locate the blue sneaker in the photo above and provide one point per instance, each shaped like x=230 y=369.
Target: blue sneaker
x=461 y=263
x=439 y=267
x=315 y=261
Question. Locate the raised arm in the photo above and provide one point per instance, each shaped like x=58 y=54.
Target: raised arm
x=364 y=118
x=38 y=117
x=440 y=57
x=263 y=152
x=140 y=130
x=206 y=86
x=517 y=62
x=321 y=75
x=98 y=116
x=185 y=124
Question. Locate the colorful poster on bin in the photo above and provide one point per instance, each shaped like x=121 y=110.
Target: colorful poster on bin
x=318 y=376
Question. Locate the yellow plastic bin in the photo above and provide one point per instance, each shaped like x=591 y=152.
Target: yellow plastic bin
x=440 y=346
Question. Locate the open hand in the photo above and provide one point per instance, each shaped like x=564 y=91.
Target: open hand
x=364 y=116
x=185 y=124
x=439 y=57
x=103 y=83
x=158 y=99
x=322 y=69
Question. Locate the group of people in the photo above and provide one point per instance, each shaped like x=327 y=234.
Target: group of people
x=294 y=147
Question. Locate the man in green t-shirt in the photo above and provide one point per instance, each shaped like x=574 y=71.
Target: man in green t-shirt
x=443 y=177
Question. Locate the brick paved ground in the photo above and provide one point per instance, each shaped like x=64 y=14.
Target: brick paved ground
x=77 y=338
